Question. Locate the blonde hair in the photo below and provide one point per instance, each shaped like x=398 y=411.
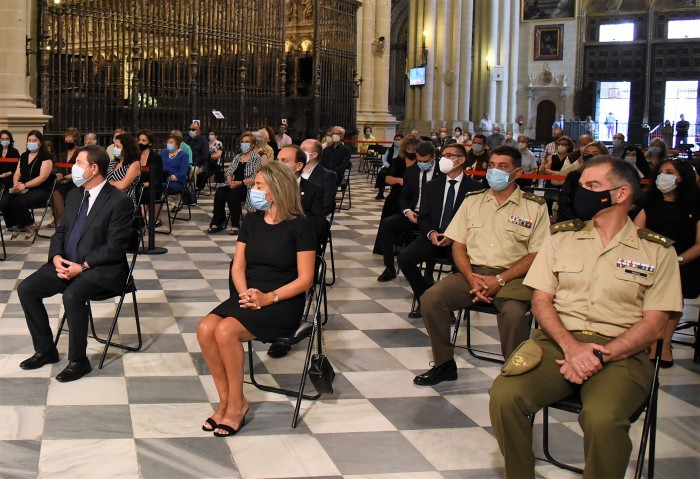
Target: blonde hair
x=408 y=140
x=283 y=189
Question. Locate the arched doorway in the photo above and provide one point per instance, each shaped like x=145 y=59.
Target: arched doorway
x=399 y=52
x=546 y=111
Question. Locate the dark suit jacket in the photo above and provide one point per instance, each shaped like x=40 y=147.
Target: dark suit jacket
x=409 y=192
x=337 y=159
x=325 y=179
x=431 y=203
x=105 y=236
x=200 y=151
x=312 y=204
x=442 y=143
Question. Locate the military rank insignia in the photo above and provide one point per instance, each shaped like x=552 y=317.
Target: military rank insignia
x=520 y=221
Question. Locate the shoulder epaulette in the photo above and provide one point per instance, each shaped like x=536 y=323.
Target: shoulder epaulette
x=649 y=235
x=477 y=192
x=571 y=225
x=530 y=196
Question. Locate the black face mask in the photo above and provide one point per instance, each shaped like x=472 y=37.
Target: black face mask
x=588 y=203
x=143 y=147
x=69 y=145
x=410 y=156
x=586 y=157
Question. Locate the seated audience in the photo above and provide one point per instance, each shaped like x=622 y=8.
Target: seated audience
x=596 y=323
x=270 y=147
x=395 y=174
x=496 y=139
x=64 y=182
x=657 y=152
x=405 y=221
x=240 y=177
x=555 y=162
x=176 y=164
x=529 y=161
x=317 y=174
x=262 y=149
x=635 y=157
x=30 y=188
x=271 y=271
x=495 y=235
x=124 y=171
x=478 y=155
x=110 y=148
x=619 y=145
x=509 y=140
x=90 y=138
x=87 y=258
x=216 y=151
x=150 y=159
x=439 y=199
x=670 y=206
x=391 y=153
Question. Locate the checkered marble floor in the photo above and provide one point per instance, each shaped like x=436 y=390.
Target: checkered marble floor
x=140 y=416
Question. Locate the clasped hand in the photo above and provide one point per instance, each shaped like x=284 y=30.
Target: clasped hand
x=66 y=269
x=484 y=287
x=253 y=299
x=579 y=362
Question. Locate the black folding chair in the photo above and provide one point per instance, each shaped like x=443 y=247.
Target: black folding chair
x=46 y=206
x=2 y=238
x=129 y=288
x=573 y=405
x=344 y=188
x=309 y=327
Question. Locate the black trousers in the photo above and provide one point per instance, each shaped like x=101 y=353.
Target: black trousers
x=15 y=208
x=233 y=197
x=390 y=229
x=44 y=283
x=420 y=249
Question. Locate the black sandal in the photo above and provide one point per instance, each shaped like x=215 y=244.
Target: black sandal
x=229 y=429
x=214 y=229
x=211 y=423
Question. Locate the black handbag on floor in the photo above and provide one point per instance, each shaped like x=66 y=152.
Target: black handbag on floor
x=321 y=371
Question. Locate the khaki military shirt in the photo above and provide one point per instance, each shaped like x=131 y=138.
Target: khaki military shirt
x=498 y=236
x=606 y=289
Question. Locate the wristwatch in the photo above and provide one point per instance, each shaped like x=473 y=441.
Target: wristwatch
x=599 y=355
x=84 y=267
x=500 y=280
x=680 y=259
x=275 y=298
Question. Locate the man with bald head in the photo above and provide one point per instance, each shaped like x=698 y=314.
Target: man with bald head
x=316 y=173
x=336 y=156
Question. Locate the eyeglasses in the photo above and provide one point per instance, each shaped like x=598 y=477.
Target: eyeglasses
x=451 y=156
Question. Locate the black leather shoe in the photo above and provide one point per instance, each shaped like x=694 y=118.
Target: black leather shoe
x=75 y=370
x=39 y=360
x=415 y=313
x=437 y=374
x=387 y=275
x=278 y=350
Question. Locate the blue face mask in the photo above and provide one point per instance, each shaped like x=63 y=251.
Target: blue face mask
x=498 y=179
x=5 y=143
x=170 y=147
x=193 y=133
x=245 y=147
x=427 y=166
x=655 y=150
x=258 y=200
x=32 y=146
x=117 y=152
x=212 y=138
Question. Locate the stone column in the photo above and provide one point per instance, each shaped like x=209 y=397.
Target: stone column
x=465 y=67
x=430 y=29
x=513 y=66
x=503 y=59
x=374 y=92
x=17 y=110
x=452 y=79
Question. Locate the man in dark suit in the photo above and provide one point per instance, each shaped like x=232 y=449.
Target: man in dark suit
x=336 y=156
x=414 y=181
x=319 y=175
x=312 y=204
x=441 y=198
x=311 y=193
x=444 y=139
x=87 y=258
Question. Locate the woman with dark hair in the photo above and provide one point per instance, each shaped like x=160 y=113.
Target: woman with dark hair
x=150 y=159
x=7 y=150
x=124 y=172
x=670 y=206
x=240 y=177
x=64 y=178
x=635 y=157
x=554 y=163
x=29 y=187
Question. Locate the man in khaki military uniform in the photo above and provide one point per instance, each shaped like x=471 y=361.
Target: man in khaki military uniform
x=496 y=234
x=603 y=293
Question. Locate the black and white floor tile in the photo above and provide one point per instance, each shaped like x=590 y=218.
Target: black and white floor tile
x=140 y=416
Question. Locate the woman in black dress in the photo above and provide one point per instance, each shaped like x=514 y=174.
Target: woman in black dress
x=670 y=206
x=394 y=177
x=30 y=188
x=150 y=159
x=7 y=150
x=270 y=273
x=64 y=179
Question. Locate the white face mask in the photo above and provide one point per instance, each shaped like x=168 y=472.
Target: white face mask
x=336 y=138
x=77 y=174
x=477 y=148
x=446 y=165
x=666 y=182
x=509 y=137
x=562 y=148
x=443 y=135
x=522 y=145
